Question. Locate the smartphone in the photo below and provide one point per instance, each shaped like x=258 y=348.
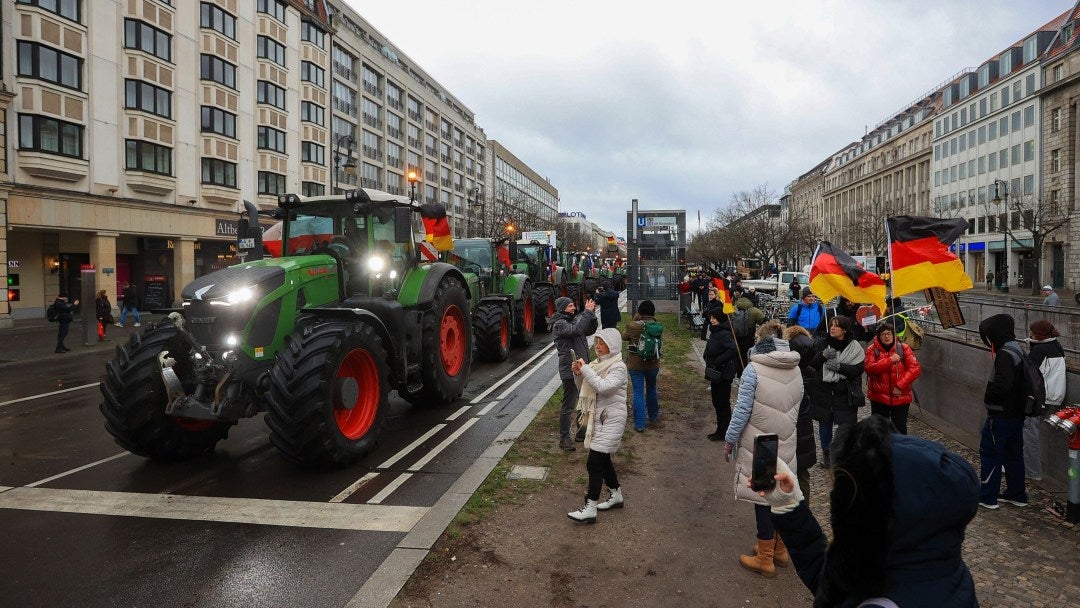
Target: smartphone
x=766 y=449
x=573 y=355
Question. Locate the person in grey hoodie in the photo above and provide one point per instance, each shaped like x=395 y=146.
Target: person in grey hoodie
x=569 y=333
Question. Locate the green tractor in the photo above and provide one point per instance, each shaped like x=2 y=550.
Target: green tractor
x=315 y=338
x=575 y=272
x=538 y=261
x=503 y=299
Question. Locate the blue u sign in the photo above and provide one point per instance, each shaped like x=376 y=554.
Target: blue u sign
x=642 y=221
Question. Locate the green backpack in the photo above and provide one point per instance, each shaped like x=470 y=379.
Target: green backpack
x=650 y=345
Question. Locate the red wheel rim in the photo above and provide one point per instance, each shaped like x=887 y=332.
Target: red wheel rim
x=551 y=307
x=355 y=421
x=528 y=315
x=504 y=332
x=452 y=340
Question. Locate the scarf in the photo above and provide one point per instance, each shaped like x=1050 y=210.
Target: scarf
x=586 y=402
x=851 y=355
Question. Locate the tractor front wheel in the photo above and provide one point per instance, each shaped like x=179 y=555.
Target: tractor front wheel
x=328 y=393
x=524 y=324
x=447 y=347
x=543 y=307
x=491 y=327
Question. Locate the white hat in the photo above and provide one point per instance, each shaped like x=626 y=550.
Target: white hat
x=1047 y=288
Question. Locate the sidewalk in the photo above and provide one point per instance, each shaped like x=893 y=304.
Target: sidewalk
x=35 y=339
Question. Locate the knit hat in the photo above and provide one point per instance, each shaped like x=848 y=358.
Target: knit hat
x=562 y=302
x=805 y=292
x=1047 y=288
x=1043 y=330
x=646 y=308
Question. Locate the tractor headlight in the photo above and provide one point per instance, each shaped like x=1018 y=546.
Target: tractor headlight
x=376 y=263
x=232 y=340
x=393 y=274
x=239 y=296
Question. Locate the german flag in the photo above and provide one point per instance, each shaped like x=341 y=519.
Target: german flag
x=503 y=253
x=833 y=272
x=919 y=254
x=436 y=227
x=724 y=296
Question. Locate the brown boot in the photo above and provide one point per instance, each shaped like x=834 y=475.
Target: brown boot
x=762 y=561
x=780 y=554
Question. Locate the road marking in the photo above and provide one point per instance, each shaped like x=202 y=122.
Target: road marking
x=54 y=393
x=442 y=446
x=297 y=514
x=82 y=468
x=356 y=485
x=523 y=378
x=389 y=489
x=455 y=415
x=412 y=446
x=487 y=408
x=510 y=375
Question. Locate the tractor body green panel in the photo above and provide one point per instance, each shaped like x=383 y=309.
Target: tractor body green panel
x=409 y=293
x=513 y=285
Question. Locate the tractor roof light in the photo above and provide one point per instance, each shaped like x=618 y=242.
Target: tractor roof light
x=376 y=263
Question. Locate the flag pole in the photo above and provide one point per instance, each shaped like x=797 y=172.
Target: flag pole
x=889 y=266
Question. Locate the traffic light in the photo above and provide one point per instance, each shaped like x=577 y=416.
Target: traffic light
x=12 y=295
x=13 y=280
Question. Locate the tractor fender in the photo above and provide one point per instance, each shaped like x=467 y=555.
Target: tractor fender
x=386 y=317
x=514 y=285
x=418 y=288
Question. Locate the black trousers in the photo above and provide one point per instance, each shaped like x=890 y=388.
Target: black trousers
x=896 y=413
x=601 y=471
x=61 y=333
x=566 y=411
x=721 y=402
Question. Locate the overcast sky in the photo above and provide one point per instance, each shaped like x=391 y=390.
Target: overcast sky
x=680 y=104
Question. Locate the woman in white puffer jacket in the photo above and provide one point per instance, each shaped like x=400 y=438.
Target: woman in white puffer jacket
x=603 y=391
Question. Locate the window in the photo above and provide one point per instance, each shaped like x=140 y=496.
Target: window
x=952 y=146
x=271 y=49
x=1055 y=160
x=1055 y=120
x=48 y=64
x=1029 y=150
x=144 y=96
x=68 y=9
x=43 y=134
x=216 y=120
x=971 y=139
x=982 y=107
x=1029 y=84
x=963 y=171
x=1031 y=49
x=937 y=151
x=218 y=70
x=272 y=94
x=1029 y=116
x=214 y=17
x=310 y=32
x=312 y=152
x=1003 y=158
x=1003 y=126
x=218 y=172
x=1016 y=154
x=993 y=102
x=311 y=112
x=937 y=178
x=1017 y=91
x=145 y=37
x=312 y=189
x=1058 y=72
x=271 y=183
x=992 y=162
x=971 y=168
x=312 y=73
x=982 y=165
x=274 y=8
x=982 y=135
x=147 y=156
x=963 y=143
x=952 y=173
x=1029 y=185
x=992 y=131
x=1016 y=121
x=271 y=139
x=1004 y=96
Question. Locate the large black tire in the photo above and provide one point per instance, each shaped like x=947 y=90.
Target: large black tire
x=491 y=328
x=543 y=307
x=447 y=343
x=135 y=399
x=328 y=393
x=524 y=327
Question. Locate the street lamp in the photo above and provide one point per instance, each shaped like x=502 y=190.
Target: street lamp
x=349 y=143
x=413 y=178
x=999 y=186
x=476 y=203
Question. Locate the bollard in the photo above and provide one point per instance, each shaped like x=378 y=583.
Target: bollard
x=1068 y=420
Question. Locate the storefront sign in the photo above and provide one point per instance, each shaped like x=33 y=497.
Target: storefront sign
x=12 y=264
x=648 y=221
x=224 y=228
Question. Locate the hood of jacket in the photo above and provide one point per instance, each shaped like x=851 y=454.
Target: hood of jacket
x=613 y=339
x=743 y=303
x=996 y=330
x=774 y=352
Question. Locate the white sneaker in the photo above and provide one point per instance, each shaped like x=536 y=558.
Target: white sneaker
x=614 y=501
x=118 y=324
x=585 y=514
x=138 y=324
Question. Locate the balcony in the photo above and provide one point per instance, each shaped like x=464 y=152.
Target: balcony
x=429 y=176
x=459 y=143
x=343 y=71
x=393 y=161
x=372 y=121
x=398 y=190
x=445 y=182
x=51 y=166
x=372 y=89
x=414 y=115
x=373 y=153
x=395 y=103
x=445 y=158
x=395 y=133
x=367 y=182
x=431 y=150
x=431 y=126
x=149 y=183
x=459 y=165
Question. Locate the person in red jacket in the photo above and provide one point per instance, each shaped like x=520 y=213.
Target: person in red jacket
x=891 y=368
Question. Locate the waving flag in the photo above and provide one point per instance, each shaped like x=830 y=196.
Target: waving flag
x=919 y=254
x=436 y=228
x=503 y=253
x=833 y=272
x=724 y=296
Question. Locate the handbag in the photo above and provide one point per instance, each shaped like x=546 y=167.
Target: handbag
x=100 y=330
x=713 y=375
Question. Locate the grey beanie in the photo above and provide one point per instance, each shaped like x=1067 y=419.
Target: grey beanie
x=561 y=303
x=805 y=292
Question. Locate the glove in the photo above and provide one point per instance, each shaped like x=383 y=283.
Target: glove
x=727 y=450
x=829 y=353
x=832 y=365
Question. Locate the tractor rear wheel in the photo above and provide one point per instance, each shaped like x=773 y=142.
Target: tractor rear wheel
x=328 y=393
x=543 y=307
x=135 y=399
x=524 y=325
x=491 y=327
x=447 y=343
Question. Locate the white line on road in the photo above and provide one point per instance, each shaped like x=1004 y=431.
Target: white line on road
x=205 y=508
x=76 y=470
x=455 y=415
x=412 y=446
x=524 y=377
x=510 y=375
x=442 y=446
x=356 y=485
x=54 y=393
x=389 y=489
x=487 y=408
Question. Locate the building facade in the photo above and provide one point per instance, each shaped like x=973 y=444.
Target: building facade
x=517 y=195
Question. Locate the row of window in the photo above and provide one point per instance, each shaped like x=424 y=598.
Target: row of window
x=987 y=105
x=68 y=9
x=985 y=133
x=991 y=162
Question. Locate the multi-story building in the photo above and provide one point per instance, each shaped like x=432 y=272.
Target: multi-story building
x=986 y=144
x=804 y=200
x=134 y=153
x=518 y=194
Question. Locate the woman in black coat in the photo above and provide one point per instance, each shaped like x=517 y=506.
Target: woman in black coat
x=721 y=354
x=838 y=361
x=714 y=301
x=805 y=448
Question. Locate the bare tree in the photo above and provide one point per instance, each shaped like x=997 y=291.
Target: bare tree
x=572 y=236
x=753 y=222
x=1011 y=215
x=869 y=224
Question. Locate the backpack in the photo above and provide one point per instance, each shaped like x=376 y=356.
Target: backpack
x=913 y=335
x=650 y=345
x=740 y=323
x=50 y=313
x=1032 y=385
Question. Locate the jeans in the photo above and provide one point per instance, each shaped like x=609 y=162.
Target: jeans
x=124 y=311
x=1002 y=443
x=1032 y=456
x=825 y=431
x=644 y=385
x=897 y=414
x=601 y=471
x=569 y=401
x=763 y=517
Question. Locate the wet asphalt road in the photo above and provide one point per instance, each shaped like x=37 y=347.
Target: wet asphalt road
x=87 y=524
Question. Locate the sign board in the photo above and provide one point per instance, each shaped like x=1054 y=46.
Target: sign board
x=428 y=253
x=246 y=243
x=13 y=264
x=156 y=291
x=540 y=236
x=224 y=227
x=948 y=309
x=85 y=267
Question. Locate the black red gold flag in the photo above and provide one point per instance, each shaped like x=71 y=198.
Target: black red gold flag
x=919 y=254
x=833 y=272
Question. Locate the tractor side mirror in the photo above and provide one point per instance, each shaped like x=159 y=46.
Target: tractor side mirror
x=403 y=224
x=512 y=245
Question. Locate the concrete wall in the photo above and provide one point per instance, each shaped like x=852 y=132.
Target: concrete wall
x=951 y=388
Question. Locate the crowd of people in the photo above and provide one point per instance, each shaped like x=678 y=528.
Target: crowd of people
x=899 y=505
